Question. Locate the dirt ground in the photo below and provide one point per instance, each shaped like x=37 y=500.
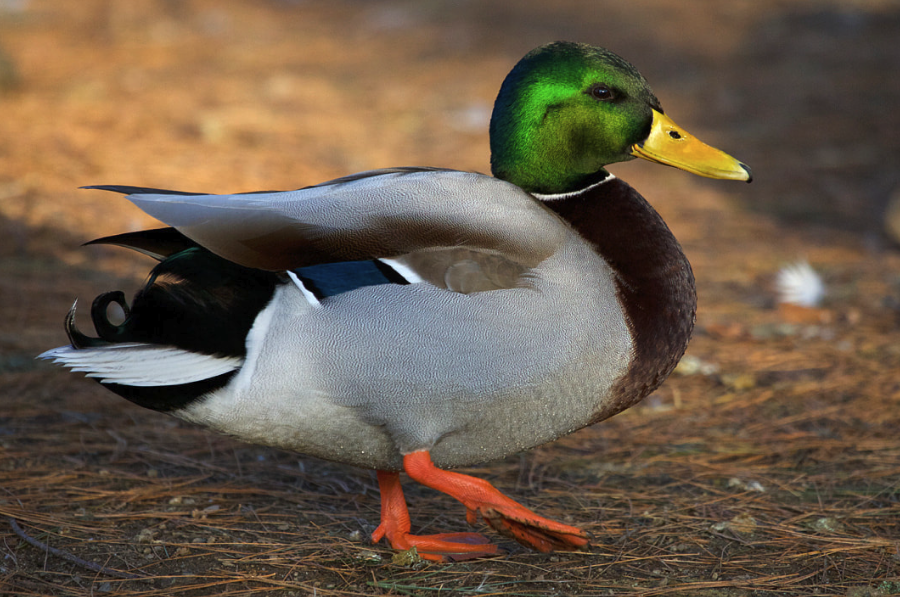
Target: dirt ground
x=770 y=465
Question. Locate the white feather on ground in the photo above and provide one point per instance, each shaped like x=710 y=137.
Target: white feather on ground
x=799 y=284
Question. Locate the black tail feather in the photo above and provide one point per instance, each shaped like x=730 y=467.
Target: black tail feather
x=76 y=338
x=158 y=243
x=129 y=190
x=106 y=330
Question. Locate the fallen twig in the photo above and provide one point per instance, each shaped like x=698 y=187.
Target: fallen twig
x=68 y=556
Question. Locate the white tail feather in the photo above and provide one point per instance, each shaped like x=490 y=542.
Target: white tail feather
x=142 y=365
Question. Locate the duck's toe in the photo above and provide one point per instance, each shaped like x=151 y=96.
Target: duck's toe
x=503 y=514
x=532 y=530
x=442 y=547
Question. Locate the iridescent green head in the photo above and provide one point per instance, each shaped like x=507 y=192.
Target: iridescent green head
x=567 y=110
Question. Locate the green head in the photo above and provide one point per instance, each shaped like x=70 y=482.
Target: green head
x=564 y=112
x=567 y=110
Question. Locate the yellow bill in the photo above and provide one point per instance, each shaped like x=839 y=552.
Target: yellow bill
x=671 y=145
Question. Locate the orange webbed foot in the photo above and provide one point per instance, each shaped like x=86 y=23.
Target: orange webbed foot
x=442 y=547
x=530 y=529
x=503 y=514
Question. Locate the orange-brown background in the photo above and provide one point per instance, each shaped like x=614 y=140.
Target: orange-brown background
x=224 y=96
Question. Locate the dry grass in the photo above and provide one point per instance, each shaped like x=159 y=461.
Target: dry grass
x=777 y=472
x=775 y=511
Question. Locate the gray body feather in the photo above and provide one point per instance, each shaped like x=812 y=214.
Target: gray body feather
x=517 y=314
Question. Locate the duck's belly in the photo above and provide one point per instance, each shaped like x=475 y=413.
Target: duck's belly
x=387 y=370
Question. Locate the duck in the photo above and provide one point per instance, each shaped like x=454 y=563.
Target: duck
x=418 y=320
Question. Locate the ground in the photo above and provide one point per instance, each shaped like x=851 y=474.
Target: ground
x=769 y=465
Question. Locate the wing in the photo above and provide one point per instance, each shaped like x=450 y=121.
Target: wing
x=459 y=230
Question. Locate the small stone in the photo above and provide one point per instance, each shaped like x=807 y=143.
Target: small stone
x=369 y=556
x=743 y=524
x=202 y=514
x=756 y=486
x=146 y=536
x=827 y=525
x=739 y=381
x=406 y=558
x=691 y=365
x=737 y=483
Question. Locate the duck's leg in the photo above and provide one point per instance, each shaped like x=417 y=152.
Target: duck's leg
x=500 y=512
x=441 y=547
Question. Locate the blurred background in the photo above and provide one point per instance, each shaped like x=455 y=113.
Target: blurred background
x=233 y=96
x=228 y=95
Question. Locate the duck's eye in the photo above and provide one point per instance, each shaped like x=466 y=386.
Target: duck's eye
x=602 y=93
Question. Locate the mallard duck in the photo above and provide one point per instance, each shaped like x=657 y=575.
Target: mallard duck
x=421 y=319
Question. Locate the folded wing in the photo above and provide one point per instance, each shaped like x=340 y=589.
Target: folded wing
x=379 y=214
